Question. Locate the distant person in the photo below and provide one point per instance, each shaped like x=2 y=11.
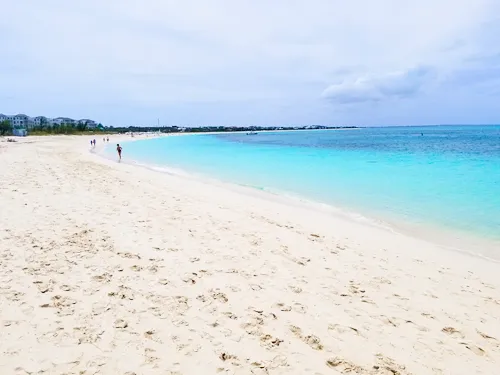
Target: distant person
x=107 y=139
x=119 y=150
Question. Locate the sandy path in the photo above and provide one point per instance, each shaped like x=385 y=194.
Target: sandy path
x=107 y=268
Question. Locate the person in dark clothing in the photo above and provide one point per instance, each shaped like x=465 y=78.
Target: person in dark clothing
x=119 y=150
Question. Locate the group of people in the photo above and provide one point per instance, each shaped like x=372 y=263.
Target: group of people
x=106 y=139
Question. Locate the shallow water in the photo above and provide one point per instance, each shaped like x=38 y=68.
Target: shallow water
x=444 y=176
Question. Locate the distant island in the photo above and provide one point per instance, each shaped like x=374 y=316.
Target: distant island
x=218 y=129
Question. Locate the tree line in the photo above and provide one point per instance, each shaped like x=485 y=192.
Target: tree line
x=62 y=129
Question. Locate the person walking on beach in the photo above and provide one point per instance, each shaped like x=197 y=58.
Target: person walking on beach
x=119 y=150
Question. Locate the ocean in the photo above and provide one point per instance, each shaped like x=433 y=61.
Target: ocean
x=445 y=178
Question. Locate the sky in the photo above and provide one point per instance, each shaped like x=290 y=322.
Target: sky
x=252 y=62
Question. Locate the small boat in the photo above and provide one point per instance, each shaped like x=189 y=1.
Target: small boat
x=252 y=133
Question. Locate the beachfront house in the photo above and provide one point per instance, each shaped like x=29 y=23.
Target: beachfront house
x=89 y=123
x=17 y=121
x=39 y=121
x=63 y=120
x=22 y=121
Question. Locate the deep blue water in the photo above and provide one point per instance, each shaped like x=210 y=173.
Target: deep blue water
x=448 y=177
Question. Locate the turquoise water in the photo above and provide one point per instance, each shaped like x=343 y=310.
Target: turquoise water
x=448 y=177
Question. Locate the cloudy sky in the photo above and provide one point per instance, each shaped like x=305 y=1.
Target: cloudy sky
x=242 y=62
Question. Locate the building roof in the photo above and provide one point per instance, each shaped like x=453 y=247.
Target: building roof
x=19 y=115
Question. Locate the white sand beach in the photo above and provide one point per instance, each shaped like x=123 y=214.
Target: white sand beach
x=109 y=268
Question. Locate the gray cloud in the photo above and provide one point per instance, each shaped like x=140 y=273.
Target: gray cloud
x=396 y=85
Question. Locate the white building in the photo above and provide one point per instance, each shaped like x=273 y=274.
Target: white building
x=26 y=122
x=90 y=123
x=63 y=120
x=41 y=120
x=18 y=121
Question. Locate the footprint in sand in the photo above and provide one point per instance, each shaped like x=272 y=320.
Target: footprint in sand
x=129 y=255
x=474 y=349
x=190 y=278
x=121 y=324
x=153 y=268
x=343 y=329
x=104 y=278
x=218 y=296
x=44 y=287
x=269 y=341
x=99 y=308
x=230 y=315
x=295 y=289
x=149 y=358
x=151 y=335
x=65 y=288
x=282 y=307
x=344 y=366
x=254 y=326
x=300 y=308
x=122 y=293
x=311 y=340
x=453 y=332
x=314 y=237
x=485 y=336
x=301 y=261
x=384 y=366
x=84 y=335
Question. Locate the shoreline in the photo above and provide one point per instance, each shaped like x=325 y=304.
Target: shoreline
x=112 y=269
x=450 y=239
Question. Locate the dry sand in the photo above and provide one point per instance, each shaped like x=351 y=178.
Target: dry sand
x=109 y=268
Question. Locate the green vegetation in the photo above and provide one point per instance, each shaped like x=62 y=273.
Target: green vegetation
x=5 y=127
x=46 y=129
